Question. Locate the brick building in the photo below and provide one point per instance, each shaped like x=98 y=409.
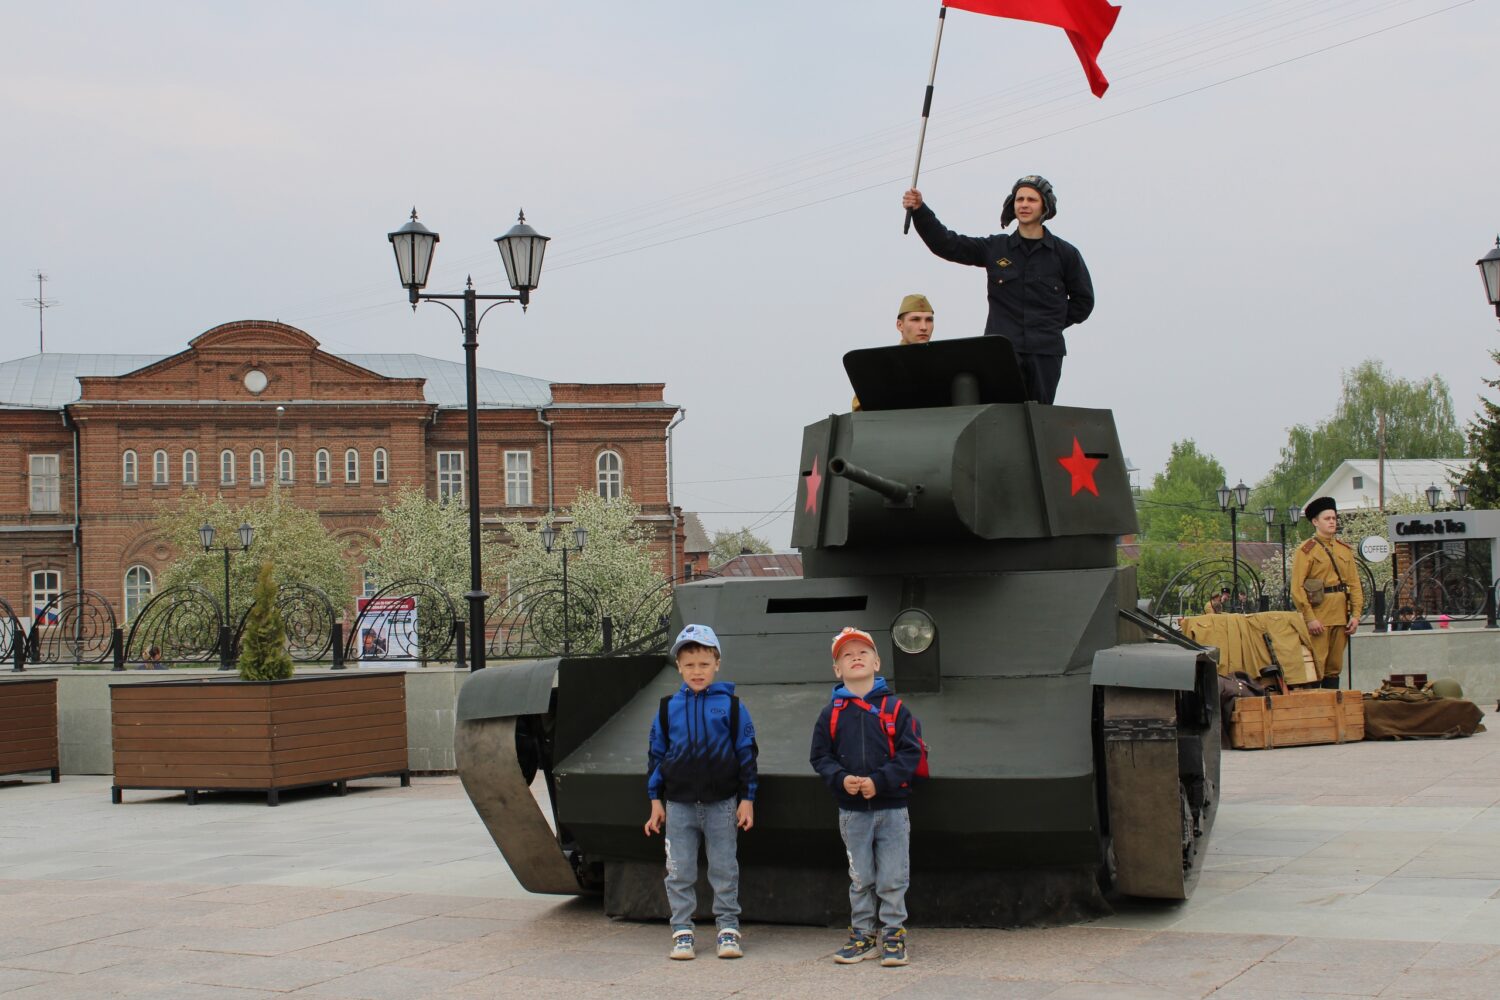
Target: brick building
x=253 y=400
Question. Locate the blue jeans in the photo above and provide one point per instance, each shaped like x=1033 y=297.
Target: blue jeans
x=877 y=841
x=711 y=824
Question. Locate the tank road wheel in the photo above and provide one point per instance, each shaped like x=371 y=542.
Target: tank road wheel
x=1162 y=789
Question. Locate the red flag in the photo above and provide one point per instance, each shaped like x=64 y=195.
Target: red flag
x=1087 y=22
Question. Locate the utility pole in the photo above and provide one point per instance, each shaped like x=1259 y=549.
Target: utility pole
x=41 y=304
x=1381 y=498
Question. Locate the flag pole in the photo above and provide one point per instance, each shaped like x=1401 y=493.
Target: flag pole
x=926 y=108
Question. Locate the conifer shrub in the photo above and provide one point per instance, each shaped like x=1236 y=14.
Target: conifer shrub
x=263 y=652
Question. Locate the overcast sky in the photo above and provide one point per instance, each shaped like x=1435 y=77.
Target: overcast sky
x=1264 y=197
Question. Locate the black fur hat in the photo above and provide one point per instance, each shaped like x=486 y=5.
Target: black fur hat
x=1042 y=187
x=1318 y=506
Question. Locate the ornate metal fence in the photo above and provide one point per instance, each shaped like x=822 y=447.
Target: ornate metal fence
x=308 y=616
x=539 y=618
x=12 y=636
x=1195 y=585
x=1440 y=583
x=180 y=623
x=76 y=626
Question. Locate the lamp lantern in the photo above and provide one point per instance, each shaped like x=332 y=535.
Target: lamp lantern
x=549 y=535
x=206 y=536
x=1269 y=513
x=580 y=536
x=1223 y=494
x=1461 y=495
x=413 y=244
x=1433 y=495
x=1242 y=494
x=521 y=251
x=247 y=535
x=1489 y=269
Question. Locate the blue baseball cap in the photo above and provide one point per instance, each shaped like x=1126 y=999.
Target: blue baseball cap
x=700 y=634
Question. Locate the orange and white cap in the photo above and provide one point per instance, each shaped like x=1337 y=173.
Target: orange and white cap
x=849 y=634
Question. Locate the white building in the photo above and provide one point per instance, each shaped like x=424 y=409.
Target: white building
x=1356 y=482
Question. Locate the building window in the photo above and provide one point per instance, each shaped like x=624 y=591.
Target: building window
x=287 y=467
x=257 y=468
x=381 y=475
x=1358 y=483
x=46 y=484
x=190 y=468
x=320 y=465
x=518 y=478
x=159 y=468
x=226 y=466
x=46 y=586
x=128 y=468
x=139 y=586
x=371 y=587
x=611 y=478
x=450 y=476
x=351 y=466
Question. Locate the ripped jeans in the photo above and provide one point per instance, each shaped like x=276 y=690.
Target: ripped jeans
x=711 y=824
x=877 y=841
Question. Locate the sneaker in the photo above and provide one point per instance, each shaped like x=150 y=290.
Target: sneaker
x=682 y=946
x=893 y=952
x=729 y=943
x=859 y=947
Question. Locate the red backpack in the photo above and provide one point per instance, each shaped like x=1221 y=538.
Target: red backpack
x=887 y=724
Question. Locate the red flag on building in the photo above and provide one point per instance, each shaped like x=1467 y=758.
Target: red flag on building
x=1087 y=22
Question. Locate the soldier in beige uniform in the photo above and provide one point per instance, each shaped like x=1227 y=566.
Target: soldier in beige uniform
x=1325 y=566
x=913 y=324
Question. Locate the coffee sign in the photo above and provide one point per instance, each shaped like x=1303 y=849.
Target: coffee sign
x=1433 y=526
x=1375 y=549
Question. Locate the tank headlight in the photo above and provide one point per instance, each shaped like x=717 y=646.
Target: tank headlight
x=913 y=631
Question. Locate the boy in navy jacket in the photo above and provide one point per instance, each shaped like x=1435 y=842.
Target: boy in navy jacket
x=701 y=782
x=869 y=766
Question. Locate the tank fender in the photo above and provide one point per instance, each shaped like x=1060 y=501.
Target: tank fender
x=511 y=689
x=1153 y=665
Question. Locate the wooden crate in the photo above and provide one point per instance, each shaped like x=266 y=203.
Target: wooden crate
x=28 y=725
x=1301 y=718
x=216 y=734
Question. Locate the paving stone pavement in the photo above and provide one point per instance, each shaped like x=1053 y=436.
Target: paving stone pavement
x=1367 y=870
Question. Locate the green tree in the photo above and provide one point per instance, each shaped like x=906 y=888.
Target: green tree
x=614 y=575
x=1483 y=477
x=423 y=538
x=728 y=544
x=290 y=538
x=1419 y=423
x=263 y=652
x=1180 y=502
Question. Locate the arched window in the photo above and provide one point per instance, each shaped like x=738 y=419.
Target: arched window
x=286 y=467
x=320 y=465
x=257 y=468
x=159 y=468
x=611 y=474
x=226 y=466
x=127 y=468
x=139 y=585
x=381 y=464
x=190 y=467
x=351 y=466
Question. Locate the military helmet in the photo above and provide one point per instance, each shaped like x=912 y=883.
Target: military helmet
x=1445 y=687
x=1043 y=187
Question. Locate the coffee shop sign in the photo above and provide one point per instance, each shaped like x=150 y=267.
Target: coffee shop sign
x=1435 y=526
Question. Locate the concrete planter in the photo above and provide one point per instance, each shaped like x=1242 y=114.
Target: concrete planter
x=28 y=726
x=221 y=734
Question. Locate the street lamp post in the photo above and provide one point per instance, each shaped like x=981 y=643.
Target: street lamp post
x=521 y=251
x=549 y=539
x=1234 y=500
x=206 y=536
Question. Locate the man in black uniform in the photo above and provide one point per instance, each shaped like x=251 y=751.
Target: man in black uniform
x=1038 y=284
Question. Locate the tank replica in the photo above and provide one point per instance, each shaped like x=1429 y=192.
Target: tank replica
x=973 y=534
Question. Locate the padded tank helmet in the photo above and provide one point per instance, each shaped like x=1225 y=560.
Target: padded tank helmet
x=1042 y=187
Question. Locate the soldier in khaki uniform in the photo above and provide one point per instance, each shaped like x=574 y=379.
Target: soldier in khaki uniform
x=1325 y=559
x=913 y=324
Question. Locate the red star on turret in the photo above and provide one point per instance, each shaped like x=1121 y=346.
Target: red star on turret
x=1081 y=468
x=814 y=481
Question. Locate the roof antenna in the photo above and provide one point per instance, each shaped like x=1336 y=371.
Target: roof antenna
x=41 y=304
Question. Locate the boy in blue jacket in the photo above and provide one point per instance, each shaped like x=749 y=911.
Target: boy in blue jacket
x=701 y=782
x=869 y=766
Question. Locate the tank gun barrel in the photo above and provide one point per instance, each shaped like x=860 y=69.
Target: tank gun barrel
x=896 y=493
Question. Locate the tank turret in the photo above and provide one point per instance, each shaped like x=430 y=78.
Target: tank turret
x=973 y=533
